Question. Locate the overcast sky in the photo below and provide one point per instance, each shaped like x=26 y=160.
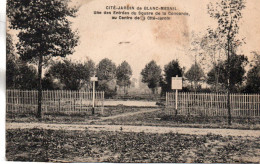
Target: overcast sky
x=143 y=41
x=161 y=41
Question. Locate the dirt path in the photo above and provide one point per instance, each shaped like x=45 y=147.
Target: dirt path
x=146 y=129
x=130 y=103
x=128 y=114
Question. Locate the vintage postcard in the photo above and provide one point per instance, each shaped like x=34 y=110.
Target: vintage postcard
x=133 y=81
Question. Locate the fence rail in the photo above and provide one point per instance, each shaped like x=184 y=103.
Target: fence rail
x=214 y=104
x=64 y=101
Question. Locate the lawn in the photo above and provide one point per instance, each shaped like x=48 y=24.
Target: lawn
x=89 y=146
x=154 y=118
x=61 y=117
x=161 y=118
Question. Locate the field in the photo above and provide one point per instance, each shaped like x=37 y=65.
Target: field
x=89 y=146
x=160 y=118
x=80 y=137
x=83 y=117
x=123 y=115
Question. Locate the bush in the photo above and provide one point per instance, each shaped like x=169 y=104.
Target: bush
x=109 y=93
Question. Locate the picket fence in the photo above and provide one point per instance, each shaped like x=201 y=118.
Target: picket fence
x=213 y=104
x=63 y=101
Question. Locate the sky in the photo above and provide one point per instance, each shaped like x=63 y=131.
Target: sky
x=138 y=42
x=144 y=41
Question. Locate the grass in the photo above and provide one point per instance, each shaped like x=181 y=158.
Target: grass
x=160 y=118
x=157 y=118
x=120 y=109
x=89 y=146
x=52 y=117
x=61 y=117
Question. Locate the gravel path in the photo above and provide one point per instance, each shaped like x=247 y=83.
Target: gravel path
x=146 y=129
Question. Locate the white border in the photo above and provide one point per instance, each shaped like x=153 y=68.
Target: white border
x=2 y=77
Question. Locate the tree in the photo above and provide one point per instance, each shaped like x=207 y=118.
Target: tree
x=106 y=73
x=194 y=75
x=237 y=64
x=228 y=13
x=71 y=75
x=11 y=65
x=106 y=70
x=49 y=83
x=216 y=76
x=253 y=80
x=214 y=53
x=19 y=75
x=151 y=75
x=44 y=32
x=253 y=75
x=123 y=75
x=172 y=69
x=26 y=77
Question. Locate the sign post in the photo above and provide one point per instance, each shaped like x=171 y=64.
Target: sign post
x=93 y=79
x=176 y=85
x=176 y=102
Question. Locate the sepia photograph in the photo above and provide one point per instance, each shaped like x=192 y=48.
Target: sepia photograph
x=132 y=81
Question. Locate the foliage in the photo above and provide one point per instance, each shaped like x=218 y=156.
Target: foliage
x=11 y=66
x=253 y=80
x=172 y=69
x=26 y=77
x=123 y=75
x=106 y=70
x=126 y=147
x=72 y=75
x=253 y=75
x=237 y=64
x=195 y=75
x=219 y=44
x=151 y=75
x=104 y=86
x=10 y=55
x=256 y=59
x=228 y=13
x=106 y=73
x=19 y=75
x=44 y=27
x=49 y=83
x=11 y=73
x=44 y=32
x=213 y=47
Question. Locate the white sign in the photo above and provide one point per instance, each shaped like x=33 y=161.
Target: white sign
x=176 y=82
x=93 y=79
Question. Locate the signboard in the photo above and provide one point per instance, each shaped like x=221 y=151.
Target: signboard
x=94 y=79
x=177 y=83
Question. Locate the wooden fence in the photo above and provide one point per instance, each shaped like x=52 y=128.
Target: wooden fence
x=214 y=104
x=61 y=101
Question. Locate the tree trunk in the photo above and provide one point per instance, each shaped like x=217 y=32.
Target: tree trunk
x=195 y=86
x=229 y=86
x=216 y=78
x=39 y=112
x=153 y=90
x=228 y=82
